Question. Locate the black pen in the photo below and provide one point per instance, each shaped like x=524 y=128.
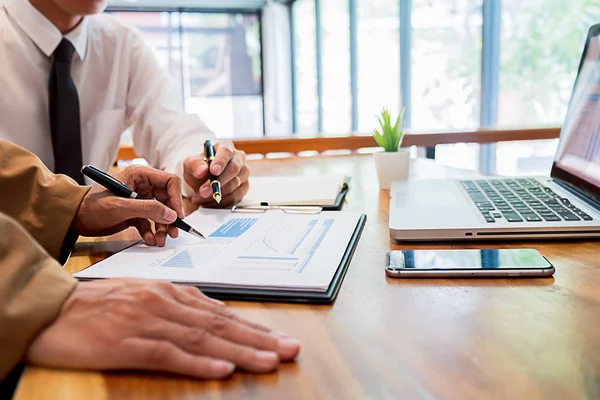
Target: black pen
x=215 y=185
x=118 y=188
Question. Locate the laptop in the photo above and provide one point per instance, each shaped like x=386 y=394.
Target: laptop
x=564 y=205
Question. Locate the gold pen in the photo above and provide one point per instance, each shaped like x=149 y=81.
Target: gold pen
x=209 y=156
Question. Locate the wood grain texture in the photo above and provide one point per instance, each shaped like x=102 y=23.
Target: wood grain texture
x=395 y=339
x=354 y=142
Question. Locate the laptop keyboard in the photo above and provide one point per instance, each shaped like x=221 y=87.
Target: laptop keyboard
x=520 y=200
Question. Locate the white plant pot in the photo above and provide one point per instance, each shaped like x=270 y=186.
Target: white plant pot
x=392 y=166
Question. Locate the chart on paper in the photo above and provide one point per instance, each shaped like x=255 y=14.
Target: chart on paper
x=216 y=243
x=283 y=247
x=270 y=250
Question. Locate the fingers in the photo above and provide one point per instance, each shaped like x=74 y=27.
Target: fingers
x=124 y=209
x=233 y=168
x=219 y=321
x=229 y=165
x=160 y=355
x=175 y=199
x=162 y=231
x=141 y=330
x=237 y=181
x=228 y=200
x=195 y=171
x=159 y=238
x=147 y=181
x=161 y=234
x=224 y=151
x=145 y=229
x=194 y=298
x=226 y=188
x=200 y=341
x=196 y=293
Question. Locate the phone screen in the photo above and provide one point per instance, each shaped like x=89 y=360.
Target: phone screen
x=466 y=259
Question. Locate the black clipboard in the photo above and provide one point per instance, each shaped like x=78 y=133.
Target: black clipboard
x=285 y=296
x=339 y=200
x=337 y=205
x=294 y=296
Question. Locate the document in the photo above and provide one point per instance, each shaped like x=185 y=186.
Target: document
x=294 y=190
x=270 y=250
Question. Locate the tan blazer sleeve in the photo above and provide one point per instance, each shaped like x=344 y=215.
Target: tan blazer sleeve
x=42 y=202
x=33 y=288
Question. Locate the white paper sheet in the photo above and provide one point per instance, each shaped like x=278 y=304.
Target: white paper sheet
x=294 y=190
x=269 y=250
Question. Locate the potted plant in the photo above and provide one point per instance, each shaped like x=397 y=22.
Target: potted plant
x=393 y=162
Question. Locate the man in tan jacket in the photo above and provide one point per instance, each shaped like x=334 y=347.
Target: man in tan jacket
x=47 y=318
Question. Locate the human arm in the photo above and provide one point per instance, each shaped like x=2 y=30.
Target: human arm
x=48 y=319
x=43 y=203
x=32 y=288
x=159 y=199
x=171 y=139
x=117 y=324
x=51 y=206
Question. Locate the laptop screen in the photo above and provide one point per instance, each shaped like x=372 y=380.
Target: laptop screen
x=577 y=160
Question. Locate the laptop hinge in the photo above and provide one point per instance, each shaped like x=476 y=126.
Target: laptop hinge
x=580 y=194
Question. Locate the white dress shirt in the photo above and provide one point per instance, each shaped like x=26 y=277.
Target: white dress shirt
x=119 y=82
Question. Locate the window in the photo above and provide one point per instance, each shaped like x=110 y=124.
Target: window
x=223 y=72
x=305 y=68
x=378 y=44
x=335 y=66
x=458 y=63
x=541 y=43
x=520 y=74
x=446 y=73
x=157 y=28
x=532 y=157
x=215 y=58
x=446 y=64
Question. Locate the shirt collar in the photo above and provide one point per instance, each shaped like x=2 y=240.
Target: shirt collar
x=42 y=32
x=78 y=37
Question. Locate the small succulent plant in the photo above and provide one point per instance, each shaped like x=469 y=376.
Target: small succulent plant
x=389 y=136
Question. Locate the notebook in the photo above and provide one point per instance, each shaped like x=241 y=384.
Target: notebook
x=326 y=191
x=269 y=256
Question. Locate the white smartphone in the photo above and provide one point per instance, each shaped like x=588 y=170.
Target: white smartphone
x=476 y=263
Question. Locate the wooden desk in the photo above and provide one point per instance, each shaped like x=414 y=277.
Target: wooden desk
x=386 y=338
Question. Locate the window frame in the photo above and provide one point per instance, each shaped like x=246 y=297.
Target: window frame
x=178 y=12
x=490 y=70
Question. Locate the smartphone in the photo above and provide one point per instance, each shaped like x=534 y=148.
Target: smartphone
x=471 y=263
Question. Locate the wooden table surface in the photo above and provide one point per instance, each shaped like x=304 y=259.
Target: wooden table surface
x=390 y=338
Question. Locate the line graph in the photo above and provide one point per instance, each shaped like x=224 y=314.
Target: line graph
x=283 y=249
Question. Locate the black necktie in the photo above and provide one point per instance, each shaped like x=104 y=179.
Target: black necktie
x=65 y=125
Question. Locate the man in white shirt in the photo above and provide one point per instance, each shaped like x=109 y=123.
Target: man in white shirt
x=78 y=80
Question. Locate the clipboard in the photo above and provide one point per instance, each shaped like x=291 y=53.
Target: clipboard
x=231 y=228
x=339 y=200
x=294 y=296
x=257 y=200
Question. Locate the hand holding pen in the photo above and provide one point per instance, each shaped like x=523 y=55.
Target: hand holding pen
x=228 y=166
x=133 y=196
x=215 y=185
